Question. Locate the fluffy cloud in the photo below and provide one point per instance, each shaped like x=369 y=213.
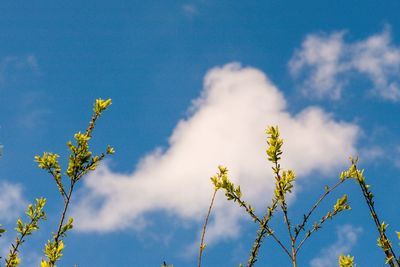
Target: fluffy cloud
x=326 y=64
x=322 y=55
x=12 y=202
x=226 y=127
x=347 y=236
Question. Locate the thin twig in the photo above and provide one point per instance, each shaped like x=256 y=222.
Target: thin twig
x=205 y=227
x=60 y=186
x=306 y=217
x=316 y=227
x=264 y=230
x=14 y=249
x=248 y=210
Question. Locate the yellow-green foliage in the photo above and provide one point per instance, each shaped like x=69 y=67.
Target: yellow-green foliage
x=346 y=261
x=35 y=213
x=284 y=180
x=383 y=241
x=80 y=162
x=165 y=265
x=2 y=230
x=284 y=184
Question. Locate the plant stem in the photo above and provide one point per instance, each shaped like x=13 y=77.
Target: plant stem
x=205 y=227
x=294 y=260
x=66 y=204
x=283 y=203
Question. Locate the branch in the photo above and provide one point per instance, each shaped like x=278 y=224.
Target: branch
x=306 y=217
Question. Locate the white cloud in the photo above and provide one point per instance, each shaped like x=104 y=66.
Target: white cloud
x=372 y=153
x=31 y=258
x=33 y=119
x=326 y=63
x=226 y=127
x=12 y=205
x=322 y=55
x=5 y=242
x=12 y=64
x=28 y=256
x=347 y=236
x=12 y=202
x=190 y=9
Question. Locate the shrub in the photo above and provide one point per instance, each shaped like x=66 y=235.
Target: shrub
x=297 y=234
x=81 y=161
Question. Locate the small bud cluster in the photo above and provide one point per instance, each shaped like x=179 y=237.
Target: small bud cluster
x=346 y=261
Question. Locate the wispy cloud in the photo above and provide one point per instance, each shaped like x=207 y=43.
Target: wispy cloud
x=326 y=63
x=190 y=9
x=226 y=127
x=28 y=256
x=321 y=54
x=372 y=153
x=31 y=114
x=9 y=65
x=33 y=118
x=12 y=206
x=12 y=202
x=347 y=236
x=5 y=242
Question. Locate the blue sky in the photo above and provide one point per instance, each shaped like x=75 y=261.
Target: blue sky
x=194 y=84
